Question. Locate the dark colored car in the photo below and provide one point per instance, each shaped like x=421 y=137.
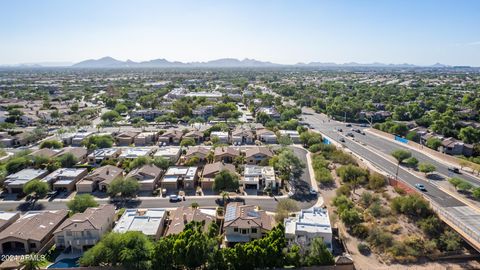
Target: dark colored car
x=454 y=169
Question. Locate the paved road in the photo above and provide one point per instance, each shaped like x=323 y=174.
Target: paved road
x=372 y=153
x=463 y=216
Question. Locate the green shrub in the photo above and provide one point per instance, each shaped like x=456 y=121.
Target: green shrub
x=363 y=248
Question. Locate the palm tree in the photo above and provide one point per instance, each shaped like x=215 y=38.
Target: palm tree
x=31 y=262
x=225 y=196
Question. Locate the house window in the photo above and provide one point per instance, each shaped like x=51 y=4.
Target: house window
x=235 y=229
x=254 y=230
x=33 y=245
x=244 y=231
x=69 y=233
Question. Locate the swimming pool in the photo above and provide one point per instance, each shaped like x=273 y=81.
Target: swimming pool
x=65 y=263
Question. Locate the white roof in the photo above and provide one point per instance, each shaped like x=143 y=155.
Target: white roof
x=146 y=221
x=24 y=176
x=313 y=220
x=167 y=151
x=64 y=174
x=136 y=152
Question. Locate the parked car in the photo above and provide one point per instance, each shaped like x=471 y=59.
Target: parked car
x=52 y=194
x=342 y=140
x=420 y=187
x=454 y=169
x=349 y=134
x=174 y=198
x=348 y=125
x=312 y=191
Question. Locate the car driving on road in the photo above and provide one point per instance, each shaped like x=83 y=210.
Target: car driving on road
x=420 y=187
x=454 y=169
x=174 y=198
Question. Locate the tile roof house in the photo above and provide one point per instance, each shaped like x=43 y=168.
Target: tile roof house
x=80 y=153
x=266 y=136
x=171 y=136
x=31 y=232
x=243 y=135
x=126 y=138
x=84 y=230
x=226 y=154
x=183 y=215
x=197 y=151
x=211 y=170
x=145 y=138
x=147 y=176
x=99 y=179
x=149 y=221
x=196 y=135
x=244 y=223
x=45 y=152
x=257 y=154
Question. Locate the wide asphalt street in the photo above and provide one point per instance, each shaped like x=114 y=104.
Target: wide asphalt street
x=368 y=148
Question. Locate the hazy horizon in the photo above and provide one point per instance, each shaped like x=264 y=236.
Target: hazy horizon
x=284 y=32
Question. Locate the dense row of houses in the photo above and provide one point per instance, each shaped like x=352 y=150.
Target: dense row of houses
x=37 y=231
x=176 y=177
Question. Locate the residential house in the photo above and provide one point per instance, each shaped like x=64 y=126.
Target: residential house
x=126 y=138
x=266 y=136
x=99 y=179
x=307 y=225
x=14 y=182
x=75 y=139
x=64 y=179
x=243 y=135
x=80 y=153
x=7 y=218
x=31 y=233
x=136 y=152
x=203 y=112
x=45 y=152
x=258 y=154
x=179 y=178
x=292 y=134
x=184 y=215
x=147 y=176
x=222 y=136
x=148 y=115
x=145 y=138
x=270 y=111
x=171 y=136
x=259 y=177
x=226 y=154
x=244 y=223
x=455 y=147
x=200 y=152
x=83 y=230
x=103 y=154
x=171 y=153
x=149 y=221
x=197 y=135
x=211 y=170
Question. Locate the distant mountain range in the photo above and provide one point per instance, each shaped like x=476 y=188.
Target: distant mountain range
x=109 y=62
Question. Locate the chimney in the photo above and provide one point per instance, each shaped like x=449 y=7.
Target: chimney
x=108 y=171
x=185 y=218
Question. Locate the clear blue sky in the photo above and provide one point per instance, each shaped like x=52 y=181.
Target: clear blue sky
x=415 y=31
